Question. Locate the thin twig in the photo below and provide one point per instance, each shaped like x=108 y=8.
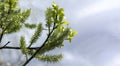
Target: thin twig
x=6 y=44
x=1 y=36
x=9 y=47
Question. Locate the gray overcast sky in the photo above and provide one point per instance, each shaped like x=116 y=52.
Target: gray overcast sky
x=98 y=24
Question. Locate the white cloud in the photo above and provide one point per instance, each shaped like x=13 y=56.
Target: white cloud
x=115 y=61
x=75 y=60
x=98 y=7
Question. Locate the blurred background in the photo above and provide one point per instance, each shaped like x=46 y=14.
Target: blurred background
x=98 y=24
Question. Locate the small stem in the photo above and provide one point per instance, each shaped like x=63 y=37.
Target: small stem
x=1 y=36
x=9 y=47
x=6 y=44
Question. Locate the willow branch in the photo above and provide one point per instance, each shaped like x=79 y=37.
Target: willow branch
x=54 y=27
x=2 y=34
x=9 y=47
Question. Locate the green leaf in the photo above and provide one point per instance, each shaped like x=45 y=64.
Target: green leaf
x=49 y=15
x=49 y=58
x=31 y=26
x=36 y=35
x=71 y=34
x=12 y=1
x=70 y=39
x=75 y=32
x=61 y=14
x=66 y=23
x=62 y=29
x=25 y=15
x=23 y=46
x=55 y=6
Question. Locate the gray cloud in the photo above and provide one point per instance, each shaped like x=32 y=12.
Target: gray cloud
x=98 y=41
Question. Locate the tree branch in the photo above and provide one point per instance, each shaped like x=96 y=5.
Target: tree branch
x=2 y=34
x=54 y=27
x=9 y=47
x=6 y=44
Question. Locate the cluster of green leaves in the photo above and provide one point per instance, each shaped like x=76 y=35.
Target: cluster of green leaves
x=58 y=31
x=12 y=19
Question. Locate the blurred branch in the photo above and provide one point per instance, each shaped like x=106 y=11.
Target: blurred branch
x=6 y=44
x=9 y=47
x=54 y=27
x=2 y=34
